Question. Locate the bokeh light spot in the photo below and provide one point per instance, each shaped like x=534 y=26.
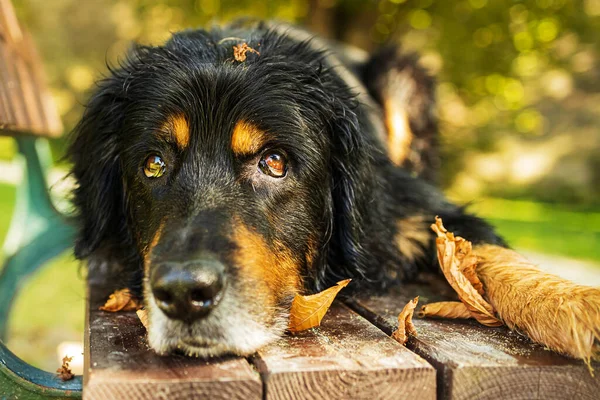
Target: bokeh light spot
x=547 y=30
x=420 y=19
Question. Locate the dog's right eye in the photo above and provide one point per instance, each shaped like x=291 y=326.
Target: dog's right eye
x=273 y=163
x=154 y=167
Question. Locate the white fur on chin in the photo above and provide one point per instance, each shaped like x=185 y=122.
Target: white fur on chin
x=231 y=328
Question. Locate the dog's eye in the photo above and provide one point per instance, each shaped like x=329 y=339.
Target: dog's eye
x=273 y=163
x=154 y=167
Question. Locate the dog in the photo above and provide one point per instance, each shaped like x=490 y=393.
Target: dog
x=230 y=169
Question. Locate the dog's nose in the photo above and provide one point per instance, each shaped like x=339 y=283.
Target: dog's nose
x=188 y=291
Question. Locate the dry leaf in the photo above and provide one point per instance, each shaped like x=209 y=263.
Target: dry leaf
x=121 y=300
x=455 y=256
x=240 y=50
x=445 y=309
x=470 y=273
x=308 y=311
x=64 y=373
x=405 y=325
x=143 y=316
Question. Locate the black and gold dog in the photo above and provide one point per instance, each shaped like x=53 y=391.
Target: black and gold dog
x=221 y=185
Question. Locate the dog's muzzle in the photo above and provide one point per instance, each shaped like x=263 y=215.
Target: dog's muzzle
x=188 y=291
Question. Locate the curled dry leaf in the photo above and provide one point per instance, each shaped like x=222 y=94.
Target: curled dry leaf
x=121 y=300
x=405 y=324
x=143 y=316
x=64 y=372
x=445 y=309
x=240 y=50
x=469 y=272
x=308 y=311
x=455 y=257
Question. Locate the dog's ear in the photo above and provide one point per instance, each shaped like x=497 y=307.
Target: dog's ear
x=94 y=151
x=354 y=192
x=405 y=92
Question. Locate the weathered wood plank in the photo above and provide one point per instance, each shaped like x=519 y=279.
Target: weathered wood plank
x=345 y=358
x=120 y=365
x=26 y=105
x=477 y=362
x=51 y=119
x=13 y=90
x=9 y=22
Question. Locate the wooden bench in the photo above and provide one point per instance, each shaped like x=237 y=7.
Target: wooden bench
x=351 y=356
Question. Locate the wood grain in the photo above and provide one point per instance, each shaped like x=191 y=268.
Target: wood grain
x=345 y=358
x=26 y=105
x=477 y=362
x=120 y=365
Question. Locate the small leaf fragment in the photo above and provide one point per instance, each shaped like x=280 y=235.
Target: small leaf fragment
x=445 y=309
x=121 y=300
x=64 y=372
x=143 y=316
x=456 y=257
x=240 y=50
x=405 y=324
x=308 y=311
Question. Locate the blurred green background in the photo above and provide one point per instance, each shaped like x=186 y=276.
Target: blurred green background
x=518 y=94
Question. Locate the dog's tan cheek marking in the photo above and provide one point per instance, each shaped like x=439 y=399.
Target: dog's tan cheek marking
x=399 y=134
x=180 y=129
x=246 y=138
x=413 y=237
x=273 y=271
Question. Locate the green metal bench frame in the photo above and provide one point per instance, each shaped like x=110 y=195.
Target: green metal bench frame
x=38 y=233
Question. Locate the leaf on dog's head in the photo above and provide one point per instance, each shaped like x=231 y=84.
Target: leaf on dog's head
x=121 y=300
x=458 y=264
x=405 y=324
x=240 y=50
x=308 y=311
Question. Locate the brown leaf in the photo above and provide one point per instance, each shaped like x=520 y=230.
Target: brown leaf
x=405 y=325
x=143 y=316
x=470 y=273
x=445 y=309
x=121 y=300
x=308 y=311
x=64 y=373
x=455 y=256
x=240 y=50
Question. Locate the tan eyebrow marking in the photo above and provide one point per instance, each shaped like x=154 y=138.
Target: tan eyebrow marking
x=180 y=129
x=246 y=138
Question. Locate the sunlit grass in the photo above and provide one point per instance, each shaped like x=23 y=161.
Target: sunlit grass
x=7 y=202
x=50 y=310
x=547 y=228
x=50 y=307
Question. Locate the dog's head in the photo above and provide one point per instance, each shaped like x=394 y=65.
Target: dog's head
x=223 y=187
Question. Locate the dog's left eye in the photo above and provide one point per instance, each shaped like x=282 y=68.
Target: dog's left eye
x=273 y=163
x=154 y=167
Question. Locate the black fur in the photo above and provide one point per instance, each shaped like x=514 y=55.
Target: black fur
x=341 y=191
